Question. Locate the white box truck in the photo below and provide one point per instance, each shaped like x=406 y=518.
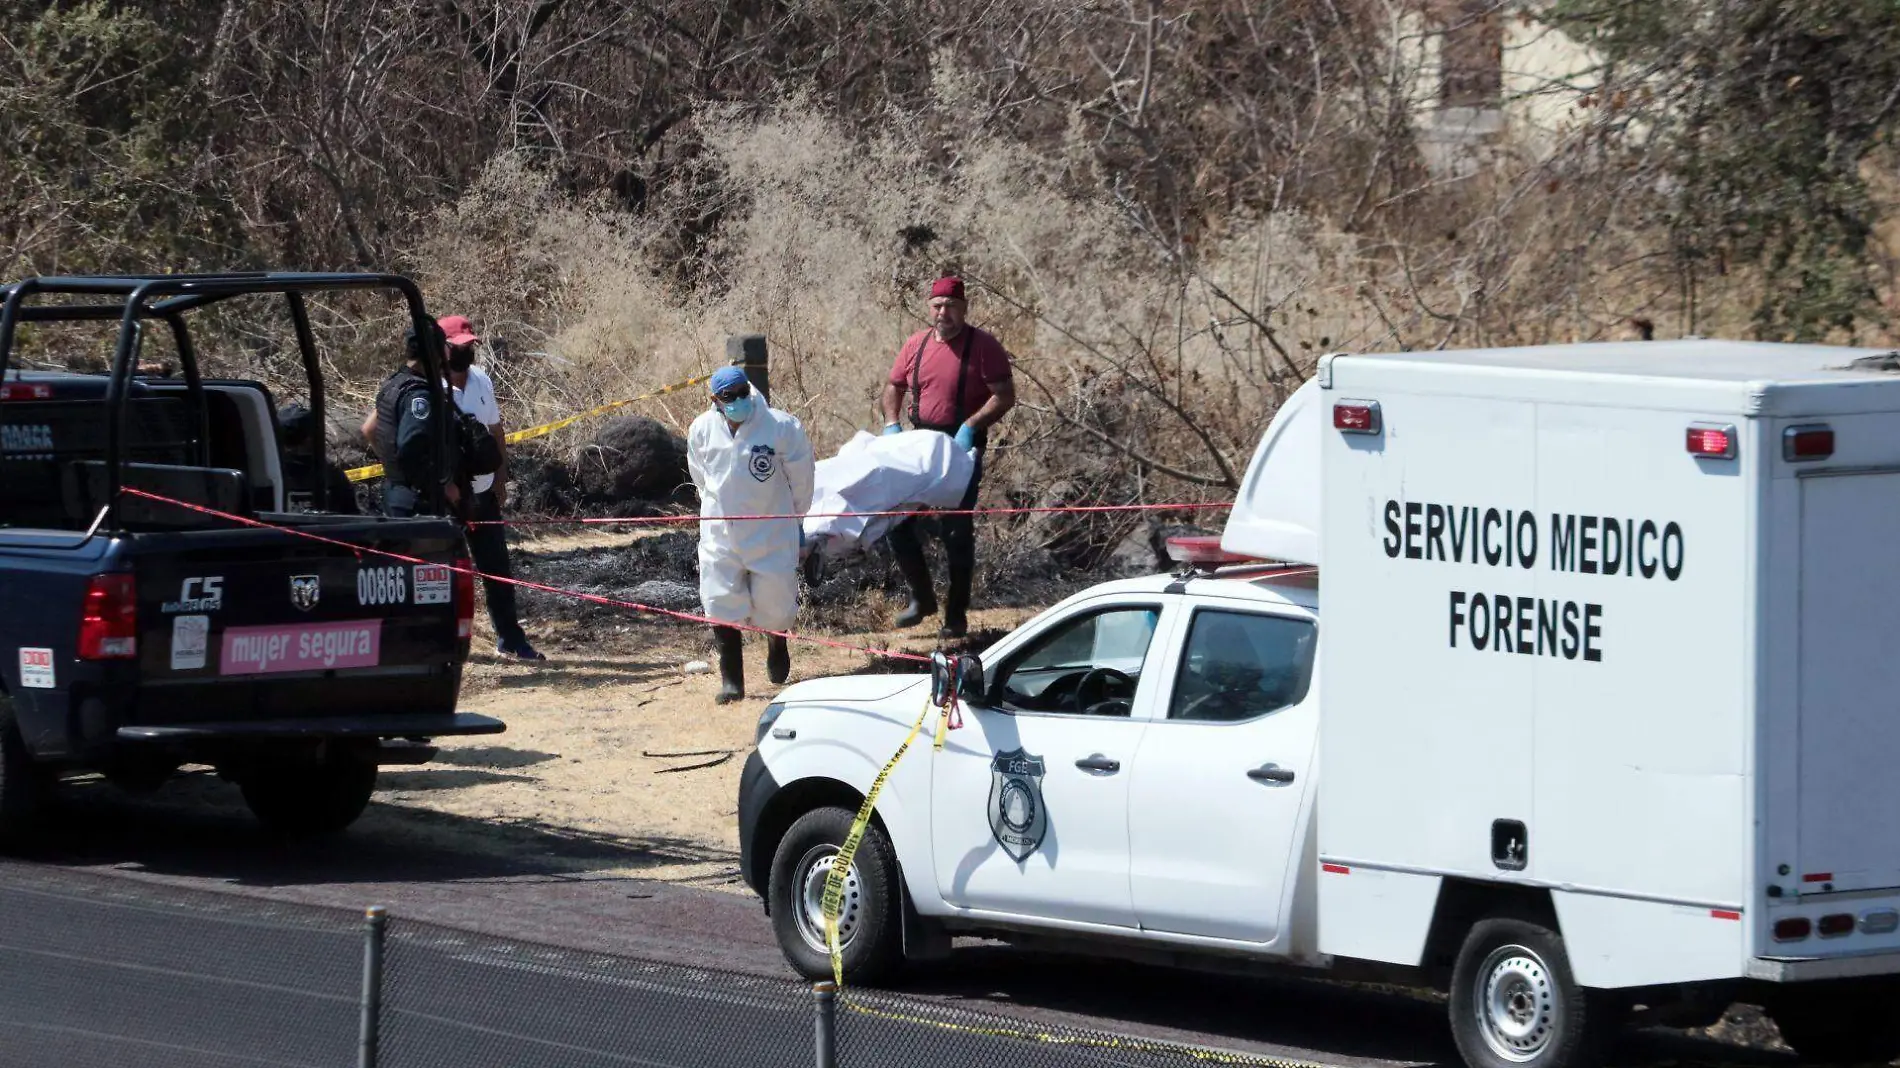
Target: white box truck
x=1605 y=714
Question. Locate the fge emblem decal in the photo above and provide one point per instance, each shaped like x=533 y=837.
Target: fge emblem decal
x=36 y=669
x=1017 y=816
x=762 y=461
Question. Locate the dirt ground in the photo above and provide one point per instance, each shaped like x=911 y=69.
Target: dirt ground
x=611 y=740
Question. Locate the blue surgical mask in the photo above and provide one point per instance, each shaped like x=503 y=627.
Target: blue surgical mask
x=737 y=410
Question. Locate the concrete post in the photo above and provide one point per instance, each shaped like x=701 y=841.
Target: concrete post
x=748 y=351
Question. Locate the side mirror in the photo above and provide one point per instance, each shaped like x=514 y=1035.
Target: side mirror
x=962 y=674
x=970 y=679
x=941 y=678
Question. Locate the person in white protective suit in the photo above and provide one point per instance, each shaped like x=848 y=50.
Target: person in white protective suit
x=748 y=458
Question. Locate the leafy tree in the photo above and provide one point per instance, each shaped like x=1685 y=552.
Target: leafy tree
x=108 y=164
x=1752 y=120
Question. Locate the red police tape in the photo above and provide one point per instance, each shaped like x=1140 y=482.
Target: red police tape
x=1178 y=507
x=611 y=602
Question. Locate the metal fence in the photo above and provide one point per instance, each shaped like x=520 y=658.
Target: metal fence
x=111 y=970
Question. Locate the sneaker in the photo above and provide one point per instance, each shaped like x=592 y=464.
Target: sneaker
x=519 y=649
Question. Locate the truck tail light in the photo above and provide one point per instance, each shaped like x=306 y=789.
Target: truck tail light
x=1356 y=417
x=1792 y=929
x=464 y=598
x=1712 y=439
x=21 y=391
x=1836 y=925
x=1812 y=442
x=109 y=619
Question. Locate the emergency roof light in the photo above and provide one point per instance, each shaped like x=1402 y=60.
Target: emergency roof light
x=1203 y=550
x=1714 y=440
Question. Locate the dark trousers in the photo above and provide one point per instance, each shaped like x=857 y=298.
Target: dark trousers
x=489 y=546
x=400 y=501
x=959 y=550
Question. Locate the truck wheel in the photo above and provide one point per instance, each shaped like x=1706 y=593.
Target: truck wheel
x=1844 y=1022
x=310 y=798
x=24 y=787
x=1515 y=1003
x=869 y=927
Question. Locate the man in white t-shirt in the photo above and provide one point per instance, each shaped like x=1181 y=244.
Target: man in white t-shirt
x=475 y=394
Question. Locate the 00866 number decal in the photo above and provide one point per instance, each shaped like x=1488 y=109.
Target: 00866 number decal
x=382 y=585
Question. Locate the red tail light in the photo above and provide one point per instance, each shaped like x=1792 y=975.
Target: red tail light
x=109 y=621
x=25 y=391
x=1792 y=929
x=1813 y=442
x=1836 y=925
x=464 y=598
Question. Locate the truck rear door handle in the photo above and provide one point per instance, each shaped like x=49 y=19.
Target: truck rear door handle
x=1098 y=762
x=1270 y=773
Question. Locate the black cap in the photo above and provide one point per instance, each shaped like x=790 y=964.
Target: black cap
x=411 y=352
x=293 y=420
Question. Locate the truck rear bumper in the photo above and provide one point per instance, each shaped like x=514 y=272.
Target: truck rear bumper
x=1806 y=969
x=405 y=725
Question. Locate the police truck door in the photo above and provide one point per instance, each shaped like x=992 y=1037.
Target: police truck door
x=1029 y=806
x=1220 y=780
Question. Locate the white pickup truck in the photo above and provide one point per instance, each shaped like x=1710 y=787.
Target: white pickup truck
x=1606 y=717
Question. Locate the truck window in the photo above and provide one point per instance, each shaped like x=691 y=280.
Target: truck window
x=1240 y=665
x=1088 y=665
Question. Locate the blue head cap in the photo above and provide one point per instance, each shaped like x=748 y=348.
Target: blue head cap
x=725 y=378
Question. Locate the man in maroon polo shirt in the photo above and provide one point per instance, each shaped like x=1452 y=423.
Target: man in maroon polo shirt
x=958 y=378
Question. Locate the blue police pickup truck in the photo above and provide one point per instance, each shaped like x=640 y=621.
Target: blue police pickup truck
x=139 y=635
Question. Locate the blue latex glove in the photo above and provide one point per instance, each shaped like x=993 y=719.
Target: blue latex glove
x=966 y=438
x=892 y=428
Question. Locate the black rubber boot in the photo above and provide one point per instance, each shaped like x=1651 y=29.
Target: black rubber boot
x=731 y=665
x=778 y=659
x=909 y=555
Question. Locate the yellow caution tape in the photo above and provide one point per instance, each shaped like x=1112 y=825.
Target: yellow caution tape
x=359 y=474
x=833 y=901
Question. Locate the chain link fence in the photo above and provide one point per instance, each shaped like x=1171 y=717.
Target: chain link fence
x=109 y=970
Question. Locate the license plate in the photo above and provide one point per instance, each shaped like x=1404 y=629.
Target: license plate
x=310 y=647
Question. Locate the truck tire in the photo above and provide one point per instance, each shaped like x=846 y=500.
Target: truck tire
x=23 y=786
x=870 y=928
x=1514 y=1002
x=1844 y=1022
x=301 y=799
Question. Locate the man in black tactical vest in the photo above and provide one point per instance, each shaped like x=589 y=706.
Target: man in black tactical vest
x=419 y=475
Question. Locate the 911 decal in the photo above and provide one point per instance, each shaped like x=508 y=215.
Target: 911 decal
x=36 y=669
x=434 y=584
x=382 y=585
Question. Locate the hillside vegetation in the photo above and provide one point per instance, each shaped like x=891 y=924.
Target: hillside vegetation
x=1167 y=210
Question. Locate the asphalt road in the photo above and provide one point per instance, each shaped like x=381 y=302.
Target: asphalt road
x=166 y=934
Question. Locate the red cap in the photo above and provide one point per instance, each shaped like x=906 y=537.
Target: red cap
x=947 y=286
x=459 y=330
